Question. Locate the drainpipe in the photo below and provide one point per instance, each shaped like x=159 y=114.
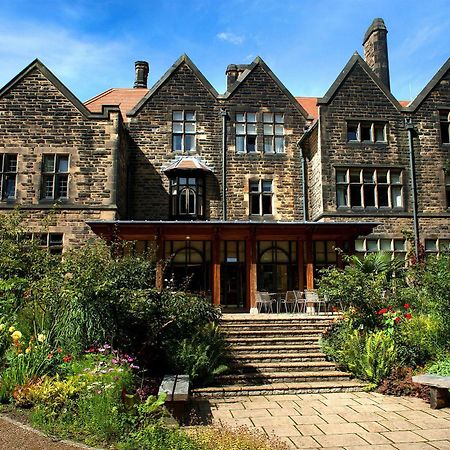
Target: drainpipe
x=224 y=114
x=412 y=167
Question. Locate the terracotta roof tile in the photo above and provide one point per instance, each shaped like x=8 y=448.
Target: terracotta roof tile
x=309 y=105
x=125 y=98
x=187 y=163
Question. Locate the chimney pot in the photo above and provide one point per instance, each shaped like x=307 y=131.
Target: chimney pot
x=375 y=50
x=141 y=69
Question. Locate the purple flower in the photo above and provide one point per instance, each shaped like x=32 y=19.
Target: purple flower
x=130 y=359
x=101 y=350
x=133 y=366
x=106 y=346
x=114 y=361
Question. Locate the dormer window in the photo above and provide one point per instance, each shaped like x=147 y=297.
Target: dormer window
x=187 y=196
x=183 y=131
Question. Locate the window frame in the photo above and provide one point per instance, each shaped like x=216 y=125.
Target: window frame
x=56 y=177
x=371 y=125
x=245 y=135
x=347 y=188
x=447 y=188
x=197 y=189
x=5 y=159
x=183 y=133
x=273 y=136
x=444 y=126
x=439 y=244
x=380 y=242
x=260 y=194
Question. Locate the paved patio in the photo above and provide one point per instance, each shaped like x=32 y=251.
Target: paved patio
x=350 y=421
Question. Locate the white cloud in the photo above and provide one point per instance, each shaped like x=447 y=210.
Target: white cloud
x=231 y=38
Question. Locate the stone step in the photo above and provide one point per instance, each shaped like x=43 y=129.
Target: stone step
x=274 y=340
x=274 y=318
x=255 y=378
x=313 y=387
x=280 y=366
x=274 y=349
x=270 y=332
x=272 y=327
x=250 y=358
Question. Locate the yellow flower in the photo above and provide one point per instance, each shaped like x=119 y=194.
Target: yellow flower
x=2 y=326
x=28 y=350
x=11 y=329
x=16 y=335
x=41 y=337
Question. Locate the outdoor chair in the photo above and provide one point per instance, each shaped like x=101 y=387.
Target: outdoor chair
x=290 y=300
x=312 y=297
x=301 y=301
x=264 y=302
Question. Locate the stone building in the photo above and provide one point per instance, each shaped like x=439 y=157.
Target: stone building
x=253 y=189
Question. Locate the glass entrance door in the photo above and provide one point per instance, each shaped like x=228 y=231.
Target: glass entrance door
x=232 y=274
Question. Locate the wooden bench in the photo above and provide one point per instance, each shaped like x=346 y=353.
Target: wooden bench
x=177 y=389
x=439 y=386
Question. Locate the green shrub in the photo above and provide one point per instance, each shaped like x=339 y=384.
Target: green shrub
x=441 y=366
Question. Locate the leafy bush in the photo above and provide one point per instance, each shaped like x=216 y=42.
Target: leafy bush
x=441 y=366
x=203 y=356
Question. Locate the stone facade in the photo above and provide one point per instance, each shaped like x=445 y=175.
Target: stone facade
x=118 y=159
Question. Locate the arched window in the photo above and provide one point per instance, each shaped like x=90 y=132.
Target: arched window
x=187 y=199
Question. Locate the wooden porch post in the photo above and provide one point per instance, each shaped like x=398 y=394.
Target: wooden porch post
x=216 y=269
x=300 y=264
x=159 y=282
x=251 y=260
x=309 y=264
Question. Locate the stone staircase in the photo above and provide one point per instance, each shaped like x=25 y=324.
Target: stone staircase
x=277 y=354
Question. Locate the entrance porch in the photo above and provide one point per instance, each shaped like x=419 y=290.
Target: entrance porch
x=232 y=261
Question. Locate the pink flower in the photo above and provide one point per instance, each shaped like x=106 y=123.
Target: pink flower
x=114 y=361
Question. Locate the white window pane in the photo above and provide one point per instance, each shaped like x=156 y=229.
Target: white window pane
x=268 y=129
x=63 y=164
x=240 y=128
x=279 y=144
x=267 y=186
x=49 y=163
x=189 y=115
x=251 y=128
x=176 y=142
x=279 y=130
x=397 y=201
x=342 y=196
x=189 y=127
x=251 y=117
x=254 y=186
x=177 y=115
x=399 y=245
x=178 y=127
x=279 y=118
x=240 y=117
x=268 y=117
x=240 y=144
x=268 y=144
x=189 y=142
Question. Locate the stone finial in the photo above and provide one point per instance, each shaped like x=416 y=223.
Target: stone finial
x=375 y=50
x=142 y=70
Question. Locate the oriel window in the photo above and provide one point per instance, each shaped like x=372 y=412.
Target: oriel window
x=55 y=177
x=187 y=197
x=8 y=176
x=183 y=131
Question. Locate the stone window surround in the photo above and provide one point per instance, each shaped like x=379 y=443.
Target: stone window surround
x=192 y=184
x=52 y=241
x=447 y=187
x=346 y=185
x=259 y=144
x=397 y=247
x=57 y=175
x=6 y=158
x=371 y=125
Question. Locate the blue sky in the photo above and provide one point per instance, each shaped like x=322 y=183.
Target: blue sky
x=91 y=46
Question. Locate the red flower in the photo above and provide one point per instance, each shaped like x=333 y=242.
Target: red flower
x=50 y=356
x=389 y=308
x=408 y=316
x=406 y=305
x=67 y=358
x=59 y=350
x=397 y=319
x=382 y=311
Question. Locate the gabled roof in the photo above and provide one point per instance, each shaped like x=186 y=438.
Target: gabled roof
x=353 y=61
x=38 y=65
x=189 y=163
x=429 y=87
x=251 y=67
x=184 y=59
x=124 y=98
x=310 y=105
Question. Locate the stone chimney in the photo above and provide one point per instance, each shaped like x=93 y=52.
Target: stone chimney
x=375 y=50
x=141 y=69
x=233 y=71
